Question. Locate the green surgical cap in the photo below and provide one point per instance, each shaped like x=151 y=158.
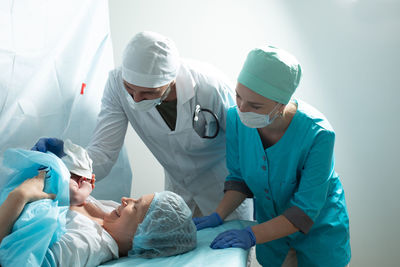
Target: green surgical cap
x=272 y=73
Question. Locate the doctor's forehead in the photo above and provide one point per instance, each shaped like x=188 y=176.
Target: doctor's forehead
x=138 y=88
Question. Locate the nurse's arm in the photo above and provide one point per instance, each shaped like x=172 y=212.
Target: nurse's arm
x=28 y=191
x=231 y=200
x=275 y=228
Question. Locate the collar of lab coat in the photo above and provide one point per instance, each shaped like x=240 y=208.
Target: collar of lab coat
x=185 y=84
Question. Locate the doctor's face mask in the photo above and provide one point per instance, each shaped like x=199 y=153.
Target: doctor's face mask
x=145 y=104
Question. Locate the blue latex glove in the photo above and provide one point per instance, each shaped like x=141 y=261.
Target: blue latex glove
x=53 y=145
x=235 y=239
x=208 y=221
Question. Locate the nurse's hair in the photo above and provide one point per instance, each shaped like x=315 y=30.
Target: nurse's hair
x=166 y=230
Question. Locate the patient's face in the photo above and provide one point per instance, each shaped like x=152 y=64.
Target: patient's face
x=122 y=222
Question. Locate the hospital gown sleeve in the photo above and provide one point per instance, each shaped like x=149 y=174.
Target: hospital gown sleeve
x=234 y=179
x=109 y=134
x=314 y=182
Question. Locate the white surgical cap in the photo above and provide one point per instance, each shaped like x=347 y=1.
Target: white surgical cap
x=167 y=228
x=150 y=60
x=77 y=160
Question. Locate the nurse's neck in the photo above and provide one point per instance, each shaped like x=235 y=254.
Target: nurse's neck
x=272 y=133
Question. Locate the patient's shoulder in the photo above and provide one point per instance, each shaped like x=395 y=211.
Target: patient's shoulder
x=91 y=211
x=83 y=235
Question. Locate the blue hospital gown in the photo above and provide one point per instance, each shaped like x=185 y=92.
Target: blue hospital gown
x=42 y=222
x=296 y=178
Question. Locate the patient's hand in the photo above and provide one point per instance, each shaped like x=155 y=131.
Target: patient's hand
x=32 y=189
x=79 y=190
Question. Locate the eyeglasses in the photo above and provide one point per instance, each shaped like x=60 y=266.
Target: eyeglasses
x=205 y=123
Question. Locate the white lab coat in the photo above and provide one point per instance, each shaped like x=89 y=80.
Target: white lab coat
x=194 y=167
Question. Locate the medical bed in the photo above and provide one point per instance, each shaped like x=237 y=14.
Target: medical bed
x=203 y=255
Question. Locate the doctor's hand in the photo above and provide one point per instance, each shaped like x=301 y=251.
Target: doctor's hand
x=235 y=239
x=53 y=145
x=208 y=221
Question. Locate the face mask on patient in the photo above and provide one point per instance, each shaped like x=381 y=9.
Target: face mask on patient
x=159 y=224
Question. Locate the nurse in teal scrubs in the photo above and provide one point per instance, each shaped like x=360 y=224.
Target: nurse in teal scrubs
x=280 y=152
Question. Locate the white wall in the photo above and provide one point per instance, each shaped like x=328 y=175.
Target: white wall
x=349 y=51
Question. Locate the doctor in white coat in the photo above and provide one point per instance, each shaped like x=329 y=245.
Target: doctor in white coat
x=157 y=92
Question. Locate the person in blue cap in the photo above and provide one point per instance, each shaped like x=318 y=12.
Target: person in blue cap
x=280 y=151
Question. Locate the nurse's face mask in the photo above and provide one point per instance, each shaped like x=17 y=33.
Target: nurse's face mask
x=147 y=104
x=255 y=120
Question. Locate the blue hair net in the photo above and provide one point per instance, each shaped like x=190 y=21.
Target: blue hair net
x=166 y=230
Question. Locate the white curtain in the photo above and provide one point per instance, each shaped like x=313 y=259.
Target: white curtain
x=55 y=56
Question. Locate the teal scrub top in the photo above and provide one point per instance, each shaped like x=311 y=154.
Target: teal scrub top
x=296 y=172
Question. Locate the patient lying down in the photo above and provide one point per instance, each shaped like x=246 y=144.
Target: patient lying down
x=157 y=214
x=154 y=225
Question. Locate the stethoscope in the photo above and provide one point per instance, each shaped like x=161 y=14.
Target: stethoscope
x=199 y=126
